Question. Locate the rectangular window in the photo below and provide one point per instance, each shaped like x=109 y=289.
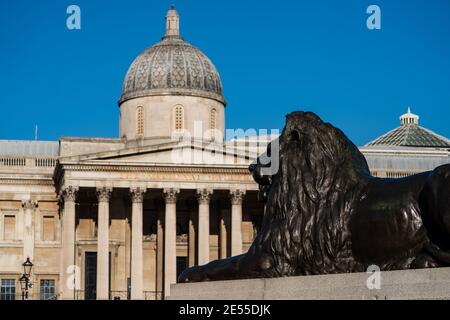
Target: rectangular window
x=8 y=289
x=47 y=289
x=48 y=229
x=9 y=227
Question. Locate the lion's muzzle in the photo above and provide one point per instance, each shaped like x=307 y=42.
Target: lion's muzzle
x=264 y=181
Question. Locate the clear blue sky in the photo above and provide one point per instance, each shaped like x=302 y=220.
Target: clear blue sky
x=273 y=56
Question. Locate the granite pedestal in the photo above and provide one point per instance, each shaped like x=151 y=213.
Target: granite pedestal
x=431 y=283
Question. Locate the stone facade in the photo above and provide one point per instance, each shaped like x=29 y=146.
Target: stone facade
x=144 y=223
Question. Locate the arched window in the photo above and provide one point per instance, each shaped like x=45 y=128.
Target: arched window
x=140 y=121
x=178 y=116
x=213 y=120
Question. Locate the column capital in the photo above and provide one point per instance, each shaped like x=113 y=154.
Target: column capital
x=29 y=204
x=171 y=194
x=237 y=196
x=68 y=193
x=137 y=194
x=103 y=194
x=204 y=195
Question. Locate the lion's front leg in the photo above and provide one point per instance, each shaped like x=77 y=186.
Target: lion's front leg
x=243 y=266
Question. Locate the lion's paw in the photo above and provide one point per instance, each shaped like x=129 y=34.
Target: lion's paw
x=193 y=274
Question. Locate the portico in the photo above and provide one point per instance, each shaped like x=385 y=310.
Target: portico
x=132 y=209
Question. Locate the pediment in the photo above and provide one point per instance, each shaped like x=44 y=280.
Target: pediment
x=170 y=153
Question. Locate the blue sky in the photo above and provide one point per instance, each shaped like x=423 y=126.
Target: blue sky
x=273 y=56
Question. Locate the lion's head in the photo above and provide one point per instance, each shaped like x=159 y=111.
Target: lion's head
x=317 y=167
x=320 y=146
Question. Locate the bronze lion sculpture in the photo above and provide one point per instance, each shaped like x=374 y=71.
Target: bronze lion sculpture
x=325 y=213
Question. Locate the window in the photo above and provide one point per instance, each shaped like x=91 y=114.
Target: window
x=47 y=289
x=9 y=227
x=48 y=228
x=140 y=121
x=213 y=119
x=8 y=289
x=179 y=118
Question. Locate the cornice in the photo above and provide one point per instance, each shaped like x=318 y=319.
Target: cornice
x=28 y=182
x=146 y=168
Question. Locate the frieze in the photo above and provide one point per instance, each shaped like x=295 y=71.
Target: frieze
x=43 y=182
x=127 y=168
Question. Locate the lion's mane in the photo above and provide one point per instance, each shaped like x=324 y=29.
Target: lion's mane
x=310 y=199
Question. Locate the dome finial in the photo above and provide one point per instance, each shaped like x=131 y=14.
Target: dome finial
x=409 y=118
x=172 y=23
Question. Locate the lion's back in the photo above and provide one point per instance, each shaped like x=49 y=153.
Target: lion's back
x=388 y=224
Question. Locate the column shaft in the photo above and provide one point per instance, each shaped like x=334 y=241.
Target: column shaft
x=128 y=253
x=137 y=265
x=170 y=240
x=68 y=280
x=28 y=226
x=203 y=197
x=160 y=254
x=236 y=222
x=104 y=195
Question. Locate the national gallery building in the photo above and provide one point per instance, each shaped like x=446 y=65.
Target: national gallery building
x=103 y=218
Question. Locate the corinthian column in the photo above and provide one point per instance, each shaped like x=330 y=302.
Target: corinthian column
x=28 y=236
x=203 y=197
x=68 y=281
x=170 y=239
x=104 y=195
x=137 y=272
x=236 y=197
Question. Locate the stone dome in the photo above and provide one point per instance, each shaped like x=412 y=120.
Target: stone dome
x=172 y=67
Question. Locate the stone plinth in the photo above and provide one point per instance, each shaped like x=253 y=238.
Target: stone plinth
x=405 y=284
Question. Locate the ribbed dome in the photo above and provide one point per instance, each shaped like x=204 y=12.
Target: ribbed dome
x=172 y=67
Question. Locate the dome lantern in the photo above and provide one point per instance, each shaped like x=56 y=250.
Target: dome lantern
x=409 y=118
x=172 y=23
